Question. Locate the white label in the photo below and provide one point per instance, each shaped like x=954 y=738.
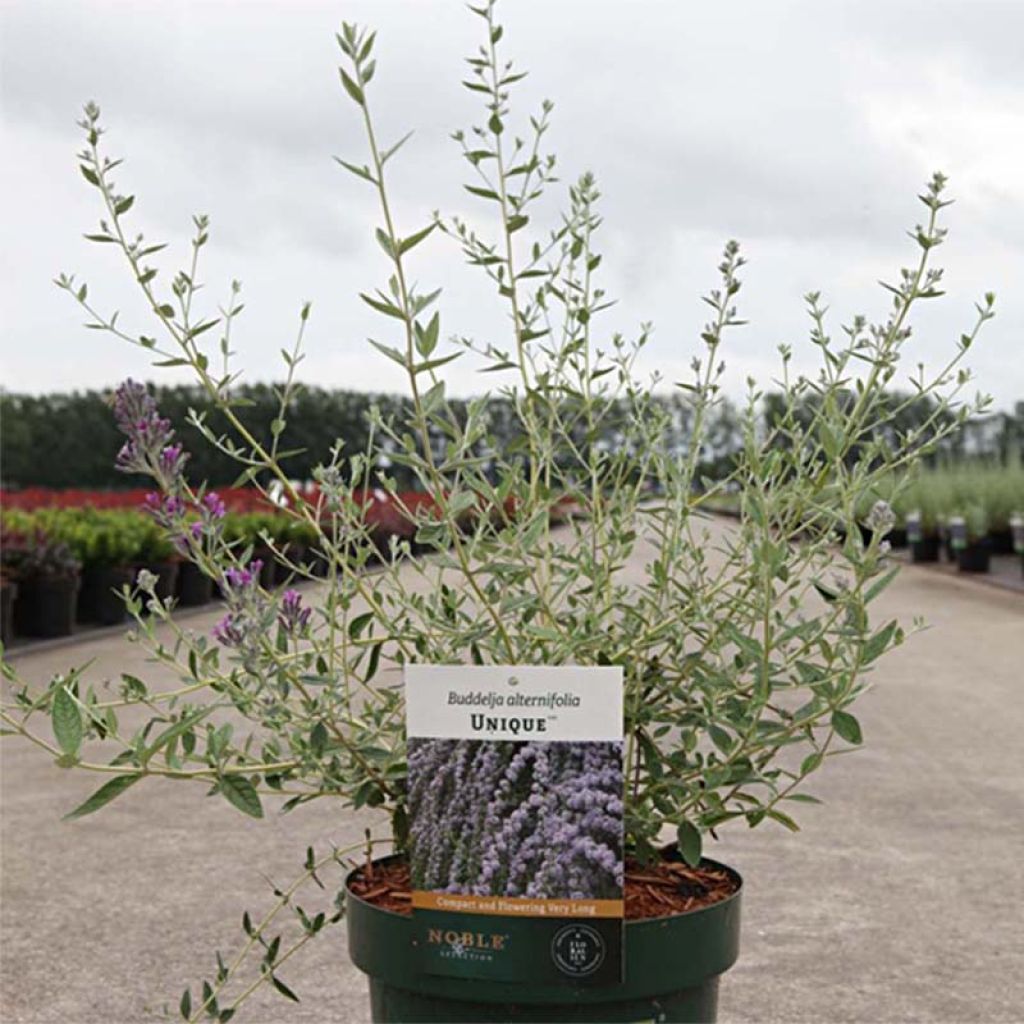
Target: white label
x=514 y=702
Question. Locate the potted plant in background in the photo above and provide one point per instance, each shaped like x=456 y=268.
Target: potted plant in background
x=743 y=648
x=923 y=535
x=106 y=543
x=48 y=581
x=969 y=539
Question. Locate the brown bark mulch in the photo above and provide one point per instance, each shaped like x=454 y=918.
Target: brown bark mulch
x=653 y=890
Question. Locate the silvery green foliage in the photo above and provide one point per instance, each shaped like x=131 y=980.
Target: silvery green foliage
x=742 y=655
x=534 y=819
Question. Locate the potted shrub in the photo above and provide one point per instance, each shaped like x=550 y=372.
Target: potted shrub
x=922 y=536
x=969 y=539
x=735 y=695
x=106 y=542
x=48 y=582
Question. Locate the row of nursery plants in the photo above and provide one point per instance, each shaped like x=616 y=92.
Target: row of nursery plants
x=72 y=556
x=65 y=565
x=964 y=512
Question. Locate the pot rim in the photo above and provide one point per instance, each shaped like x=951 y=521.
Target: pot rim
x=349 y=894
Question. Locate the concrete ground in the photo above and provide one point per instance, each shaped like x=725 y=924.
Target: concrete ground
x=899 y=901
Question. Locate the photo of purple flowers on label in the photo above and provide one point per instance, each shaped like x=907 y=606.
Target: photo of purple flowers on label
x=541 y=820
x=515 y=821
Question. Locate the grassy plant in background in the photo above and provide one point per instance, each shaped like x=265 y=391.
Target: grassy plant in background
x=947 y=490
x=741 y=669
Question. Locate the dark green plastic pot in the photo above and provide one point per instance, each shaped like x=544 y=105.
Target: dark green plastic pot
x=672 y=967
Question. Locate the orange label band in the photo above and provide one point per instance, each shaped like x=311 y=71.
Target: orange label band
x=515 y=906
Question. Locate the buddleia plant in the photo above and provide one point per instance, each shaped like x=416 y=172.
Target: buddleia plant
x=743 y=648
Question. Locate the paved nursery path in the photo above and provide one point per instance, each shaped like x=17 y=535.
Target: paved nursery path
x=900 y=900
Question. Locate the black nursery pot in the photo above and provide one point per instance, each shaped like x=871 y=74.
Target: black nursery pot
x=194 y=586
x=897 y=537
x=46 y=606
x=672 y=969
x=1002 y=541
x=99 y=599
x=268 y=571
x=975 y=557
x=166 y=574
x=925 y=549
x=8 y=593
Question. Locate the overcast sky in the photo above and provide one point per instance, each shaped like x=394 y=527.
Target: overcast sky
x=802 y=129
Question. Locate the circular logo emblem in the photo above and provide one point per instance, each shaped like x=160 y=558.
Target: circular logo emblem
x=578 y=950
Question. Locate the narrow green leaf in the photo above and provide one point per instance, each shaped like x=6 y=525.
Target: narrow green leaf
x=484 y=193
x=283 y=988
x=847 y=727
x=359 y=172
x=407 y=243
x=241 y=793
x=384 y=240
x=103 y=796
x=318 y=739
x=383 y=307
x=351 y=88
x=173 y=731
x=374 y=662
x=433 y=364
x=880 y=584
x=879 y=643
x=783 y=819
x=394 y=354
x=67 y=721
x=359 y=623
x=689 y=843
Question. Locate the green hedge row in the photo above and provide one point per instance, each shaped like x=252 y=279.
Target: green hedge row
x=70 y=440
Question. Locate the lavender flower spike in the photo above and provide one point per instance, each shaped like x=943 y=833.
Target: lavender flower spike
x=292 y=617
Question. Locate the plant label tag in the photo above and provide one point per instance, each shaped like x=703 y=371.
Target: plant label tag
x=515 y=816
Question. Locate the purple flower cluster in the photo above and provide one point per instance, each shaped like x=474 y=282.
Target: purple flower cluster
x=292 y=617
x=244 y=622
x=186 y=521
x=149 y=448
x=540 y=820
